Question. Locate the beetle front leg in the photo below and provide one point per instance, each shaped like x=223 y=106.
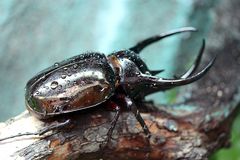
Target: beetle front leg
x=132 y=106
x=113 y=123
x=113 y=107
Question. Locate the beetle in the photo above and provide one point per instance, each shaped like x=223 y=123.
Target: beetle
x=88 y=80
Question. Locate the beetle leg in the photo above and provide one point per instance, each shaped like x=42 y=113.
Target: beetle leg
x=41 y=132
x=132 y=106
x=53 y=127
x=113 y=123
x=142 y=44
x=196 y=63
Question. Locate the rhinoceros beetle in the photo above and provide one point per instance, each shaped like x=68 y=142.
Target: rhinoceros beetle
x=88 y=80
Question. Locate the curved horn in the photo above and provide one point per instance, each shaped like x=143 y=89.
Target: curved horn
x=155 y=84
x=182 y=81
x=196 y=63
x=142 y=44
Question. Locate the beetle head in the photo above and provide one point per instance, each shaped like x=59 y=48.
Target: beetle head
x=138 y=79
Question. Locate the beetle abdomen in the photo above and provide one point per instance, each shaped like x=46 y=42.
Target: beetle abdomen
x=77 y=83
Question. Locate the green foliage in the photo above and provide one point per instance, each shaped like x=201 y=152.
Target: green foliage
x=232 y=153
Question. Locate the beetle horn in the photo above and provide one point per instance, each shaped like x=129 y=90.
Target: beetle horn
x=196 y=63
x=142 y=44
x=161 y=84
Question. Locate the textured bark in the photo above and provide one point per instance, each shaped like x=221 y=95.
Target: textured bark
x=177 y=133
x=184 y=135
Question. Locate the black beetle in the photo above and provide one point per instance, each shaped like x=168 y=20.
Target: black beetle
x=87 y=80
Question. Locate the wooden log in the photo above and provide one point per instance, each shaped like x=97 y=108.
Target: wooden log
x=192 y=130
x=189 y=135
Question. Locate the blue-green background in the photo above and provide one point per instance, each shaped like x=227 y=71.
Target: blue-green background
x=36 y=34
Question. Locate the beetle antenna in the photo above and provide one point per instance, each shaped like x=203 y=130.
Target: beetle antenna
x=19 y=135
x=41 y=132
x=142 y=44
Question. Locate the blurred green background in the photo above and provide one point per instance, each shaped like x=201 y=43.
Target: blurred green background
x=36 y=34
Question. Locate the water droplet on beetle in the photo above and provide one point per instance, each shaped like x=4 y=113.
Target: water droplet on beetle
x=75 y=66
x=59 y=87
x=171 y=125
x=56 y=64
x=147 y=72
x=43 y=77
x=54 y=84
x=46 y=87
x=63 y=76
